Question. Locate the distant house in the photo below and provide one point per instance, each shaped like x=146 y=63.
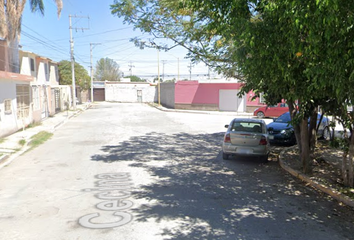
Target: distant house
x=45 y=86
x=129 y=92
x=219 y=96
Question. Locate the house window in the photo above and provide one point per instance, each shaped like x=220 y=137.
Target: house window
x=32 y=64
x=8 y=106
x=261 y=98
x=23 y=100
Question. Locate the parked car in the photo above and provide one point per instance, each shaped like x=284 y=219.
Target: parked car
x=283 y=132
x=271 y=111
x=246 y=137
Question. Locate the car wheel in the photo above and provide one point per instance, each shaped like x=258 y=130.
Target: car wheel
x=225 y=156
x=260 y=114
x=326 y=134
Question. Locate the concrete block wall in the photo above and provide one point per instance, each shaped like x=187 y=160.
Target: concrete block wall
x=167 y=95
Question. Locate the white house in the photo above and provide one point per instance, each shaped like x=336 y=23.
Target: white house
x=45 y=86
x=15 y=102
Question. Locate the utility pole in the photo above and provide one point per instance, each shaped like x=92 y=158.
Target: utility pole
x=91 y=47
x=178 y=69
x=72 y=56
x=158 y=78
x=190 y=71
x=131 y=68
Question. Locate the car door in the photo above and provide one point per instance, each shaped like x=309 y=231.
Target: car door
x=282 y=108
x=271 y=110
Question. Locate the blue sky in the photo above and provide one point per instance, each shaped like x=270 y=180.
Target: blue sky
x=49 y=36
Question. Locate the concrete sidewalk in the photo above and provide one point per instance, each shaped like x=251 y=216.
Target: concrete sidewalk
x=10 y=146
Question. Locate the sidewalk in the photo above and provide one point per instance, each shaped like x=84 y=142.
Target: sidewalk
x=10 y=147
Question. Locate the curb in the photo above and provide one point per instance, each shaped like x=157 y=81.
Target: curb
x=330 y=191
x=200 y=112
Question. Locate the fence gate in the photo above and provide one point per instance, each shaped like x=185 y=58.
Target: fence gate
x=57 y=100
x=229 y=101
x=140 y=95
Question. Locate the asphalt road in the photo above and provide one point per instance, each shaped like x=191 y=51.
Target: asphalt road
x=130 y=171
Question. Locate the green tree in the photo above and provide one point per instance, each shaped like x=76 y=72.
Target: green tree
x=107 y=69
x=82 y=79
x=136 y=79
x=10 y=25
x=294 y=50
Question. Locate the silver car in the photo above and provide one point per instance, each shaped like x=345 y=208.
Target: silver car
x=246 y=137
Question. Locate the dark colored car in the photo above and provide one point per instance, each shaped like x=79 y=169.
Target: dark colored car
x=283 y=132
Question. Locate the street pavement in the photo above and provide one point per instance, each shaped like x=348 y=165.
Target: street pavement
x=174 y=182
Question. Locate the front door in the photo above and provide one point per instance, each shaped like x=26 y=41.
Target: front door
x=140 y=95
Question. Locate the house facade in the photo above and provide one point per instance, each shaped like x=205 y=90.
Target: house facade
x=31 y=95
x=15 y=102
x=45 y=86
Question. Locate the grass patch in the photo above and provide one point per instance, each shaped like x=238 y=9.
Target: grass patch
x=347 y=191
x=34 y=124
x=2 y=140
x=39 y=138
x=22 y=142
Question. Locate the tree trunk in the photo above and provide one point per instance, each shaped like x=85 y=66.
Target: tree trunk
x=293 y=112
x=305 y=151
x=312 y=130
x=350 y=161
x=14 y=58
x=345 y=168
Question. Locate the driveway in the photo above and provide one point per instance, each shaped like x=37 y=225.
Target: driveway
x=129 y=171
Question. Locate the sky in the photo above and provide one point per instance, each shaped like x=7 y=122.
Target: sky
x=92 y=22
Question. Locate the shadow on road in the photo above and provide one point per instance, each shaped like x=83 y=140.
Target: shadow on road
x=197 y=195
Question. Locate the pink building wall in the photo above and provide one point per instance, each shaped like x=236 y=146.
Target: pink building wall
x=256 y=102
x=192 y=94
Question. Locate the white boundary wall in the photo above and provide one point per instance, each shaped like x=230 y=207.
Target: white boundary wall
x=129 y=92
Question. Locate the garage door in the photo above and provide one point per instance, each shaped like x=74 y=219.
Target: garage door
x=99 y=95
x=229 y=101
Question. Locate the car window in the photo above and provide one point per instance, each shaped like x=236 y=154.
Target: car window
x=247 y=127
x=285 y=118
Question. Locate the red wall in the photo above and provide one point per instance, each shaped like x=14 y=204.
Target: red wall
x=255 y=102
x=192 y=92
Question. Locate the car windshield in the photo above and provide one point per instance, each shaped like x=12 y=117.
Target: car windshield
x=285 y=118
x=252 y=127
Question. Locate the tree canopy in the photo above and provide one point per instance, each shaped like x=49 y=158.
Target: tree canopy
x=107 y=69
x=82 y=79
x=300 y=51
x=135 y=79
x=10 y=24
